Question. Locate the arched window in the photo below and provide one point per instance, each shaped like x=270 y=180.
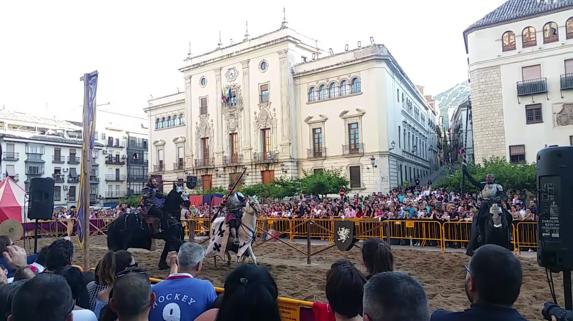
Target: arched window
x=508 y=41
x=356 y=86
x=311 y=94
x=163 y=122
x=181 y=120
x=332 y=90
x=176 y=120
x=157 y=123
x=344 y=88
x=569 y=28
x=529 y=37
x=322 y=92
x=550 y=32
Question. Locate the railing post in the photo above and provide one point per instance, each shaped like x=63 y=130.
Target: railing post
x=308 y=223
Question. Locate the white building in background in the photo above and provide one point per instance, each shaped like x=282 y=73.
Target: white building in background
x=281 y=107
x=521 y=77
x=461 y=132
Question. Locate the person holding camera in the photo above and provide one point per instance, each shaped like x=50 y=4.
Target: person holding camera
x=493 y=283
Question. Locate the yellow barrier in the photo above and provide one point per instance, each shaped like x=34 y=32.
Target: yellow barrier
x=319 y=228
x=525 y=235
x=456 y=232
x=368 y=228
x=414 y=230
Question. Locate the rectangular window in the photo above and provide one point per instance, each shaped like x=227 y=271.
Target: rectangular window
x=571 y=140
x=317 y=142
x=207 y=182
x=180 y=157
x=264 y=93
x=10 y=148
x=353 y=138
x=57 y=193
x=234 y=147
x=569 y=66
x=205 y=148
x=72 y=194
x=398 y=94
x=517 y=154
x=531 y=72
x=318 y=170
x=109 y=141
x=11 y=170
x=203 y=105
x=266 y=141
x=355 y=177
x=267 y=177
x=399 y=137
x=533 y=114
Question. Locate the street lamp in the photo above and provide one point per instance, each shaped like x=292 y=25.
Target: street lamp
x=392 y=145
x=373 y=162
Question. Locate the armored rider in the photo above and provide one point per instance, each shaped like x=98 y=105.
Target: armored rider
x=153 y=199
x=234 y=204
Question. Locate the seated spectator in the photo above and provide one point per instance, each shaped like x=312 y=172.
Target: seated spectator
x=60 y=254
x=131 y=297
x=7 y=293
x=181 y=290
x=493 y=282
x=377 y=256
x=75 y=280
x=106 y=270
x=344 y=285
x=13 y=257
x=394 y=296
x=245 y=285
x=46 y=297
x=40 y=264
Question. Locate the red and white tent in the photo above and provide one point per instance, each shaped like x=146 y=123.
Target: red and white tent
x=12 y=200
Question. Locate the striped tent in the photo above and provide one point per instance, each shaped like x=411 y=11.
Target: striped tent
x=12 y=200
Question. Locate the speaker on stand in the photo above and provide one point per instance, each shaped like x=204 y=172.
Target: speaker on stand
x=40 y=202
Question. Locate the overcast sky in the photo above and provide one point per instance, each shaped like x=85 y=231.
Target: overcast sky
x=138 y=46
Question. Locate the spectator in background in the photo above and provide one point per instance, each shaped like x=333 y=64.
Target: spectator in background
x=344 y=285
x=75 y=280
x=493 y=283
x=394 y=296
x=46 y=297
x=132 y=297
x=7 y=293
x=191 y=296
x=60 y=254
x=377 y=256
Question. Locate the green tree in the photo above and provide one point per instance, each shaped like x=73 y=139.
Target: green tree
x=132 y=200
x=323 y=182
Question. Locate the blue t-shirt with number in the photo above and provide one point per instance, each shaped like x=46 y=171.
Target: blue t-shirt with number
x=181 y=298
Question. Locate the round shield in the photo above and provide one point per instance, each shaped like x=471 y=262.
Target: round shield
x=13 y=229
x=344 y=235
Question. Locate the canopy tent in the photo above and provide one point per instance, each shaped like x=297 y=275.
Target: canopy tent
x=12 y=200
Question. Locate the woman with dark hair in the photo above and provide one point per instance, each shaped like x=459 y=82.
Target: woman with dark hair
x=250 y=295
x=344 y=284
x=377 y=256
x=75 y=280
x=7 y=293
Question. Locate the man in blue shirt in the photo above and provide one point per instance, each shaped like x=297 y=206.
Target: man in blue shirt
x=182 y=297
x=493 y=282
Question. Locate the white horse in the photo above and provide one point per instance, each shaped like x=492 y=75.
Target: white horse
x=219 y=244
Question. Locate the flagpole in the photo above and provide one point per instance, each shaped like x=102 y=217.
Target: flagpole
x=85 y=186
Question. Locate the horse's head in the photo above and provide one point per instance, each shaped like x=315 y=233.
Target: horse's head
x=253 y=206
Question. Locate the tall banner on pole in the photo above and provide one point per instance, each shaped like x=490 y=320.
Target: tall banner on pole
x=89 y=121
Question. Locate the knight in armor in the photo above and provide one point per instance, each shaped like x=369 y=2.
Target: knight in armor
x=492 y=223
x=234 y=204
x=153 y=199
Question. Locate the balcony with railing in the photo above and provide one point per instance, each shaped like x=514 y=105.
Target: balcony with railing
x=136 y=178
x=268 y=157
x=567 y=82
x=232 y=160
x=58 y=178
x=137 y=145
x=34 y=171
x=114 y=144
x=204 y=162
x=532 y=87
x=34 y=158
x=73 y=179
x=115 y=194
x=94 y=179
x=114 y=178
x=11 y=156
x=114 y=161
x=131 y=161
x=58 y=159
x=159 y=167
x=353 y=149
x=73 y=160
x=179 y=165
x=316 y=153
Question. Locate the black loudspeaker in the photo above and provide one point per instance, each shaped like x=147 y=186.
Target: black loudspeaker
x=191 y=182
x=41 y=201
x=555 y=208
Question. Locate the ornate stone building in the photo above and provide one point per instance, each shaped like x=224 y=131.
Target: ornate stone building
x=521 y=77
x=279 y=106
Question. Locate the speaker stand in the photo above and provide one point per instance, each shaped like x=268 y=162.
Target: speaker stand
x=567 y=290
x=36 y=239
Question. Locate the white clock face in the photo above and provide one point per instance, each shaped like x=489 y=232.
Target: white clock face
x=231 y=74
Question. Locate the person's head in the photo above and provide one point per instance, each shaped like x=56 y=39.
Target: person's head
x=377 y=256
x=344 y=289
x=75 y=280
x=190 y=257
x=60 y=254
x=489 y=178
x=7 y=293
x=43 y=256
x=250 y=295
x=4 y=243
x=394 y=296
x=131 y=296
x=111 y=264
x=24 y=273
x=47 y=297
x=152 y=182
x=494 y=276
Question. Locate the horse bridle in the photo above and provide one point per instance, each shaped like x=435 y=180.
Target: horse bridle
x=254 y=209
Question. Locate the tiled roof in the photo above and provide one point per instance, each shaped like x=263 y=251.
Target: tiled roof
x=519 y=9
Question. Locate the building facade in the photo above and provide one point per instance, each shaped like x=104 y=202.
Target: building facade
x=521 y=77
x=137 y=162
x=461 y=133
x=278 y=106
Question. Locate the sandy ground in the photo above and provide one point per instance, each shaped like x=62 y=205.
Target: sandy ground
x=441 y=274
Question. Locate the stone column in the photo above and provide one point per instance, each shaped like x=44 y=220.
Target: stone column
x=285 y=117
x=218 y=115
x=245 y=132
x=188 y=124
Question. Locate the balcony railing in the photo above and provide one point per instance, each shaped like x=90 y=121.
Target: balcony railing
x=10 y=156
x=34 y=171
x=268 y=157
x=204 y=162
x=73 y=160
x=115 y=194
x=159 y=168
x=73 y=179
x=179 y=166
x=532 y=87
x=58 y=178
x=232 y=160
x=353 y=149
x=58 y=159
x=566 y=81
x=316 y=153
x=136 y=178
x=94 y=179
x=131 y=161
x=135 y=145
x=34 y=158
x=114 y=144
x=114 y=161
x=114 y=178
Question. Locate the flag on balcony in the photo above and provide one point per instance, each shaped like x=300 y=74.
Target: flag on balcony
x=89 y=115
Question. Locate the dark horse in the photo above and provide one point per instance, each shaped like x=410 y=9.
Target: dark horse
x=133 y=230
